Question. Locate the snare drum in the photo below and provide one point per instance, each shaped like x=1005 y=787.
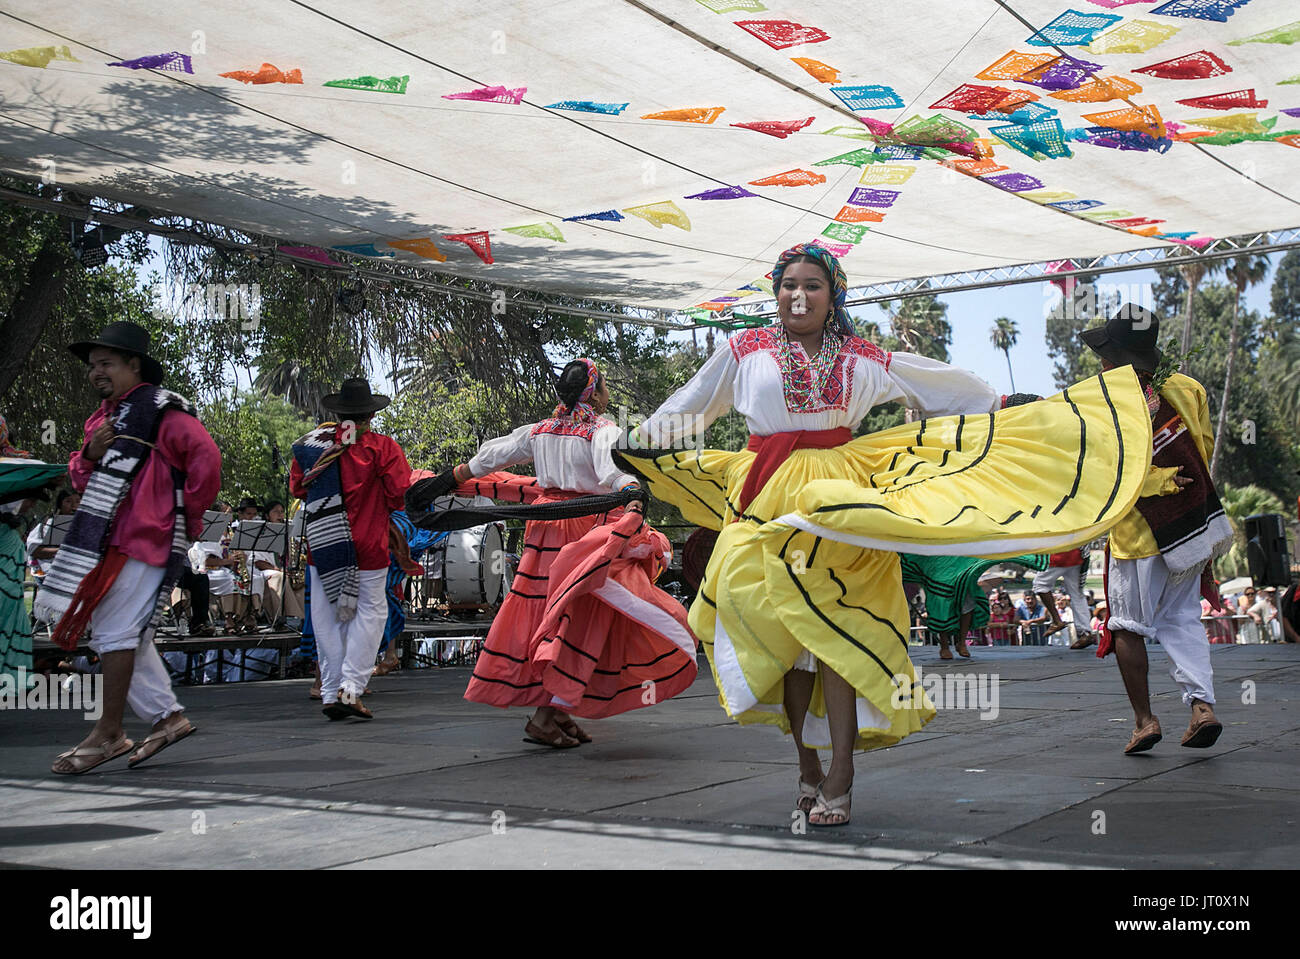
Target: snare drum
x=474 y=566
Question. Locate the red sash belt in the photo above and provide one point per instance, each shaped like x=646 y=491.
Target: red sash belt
x=774 y=450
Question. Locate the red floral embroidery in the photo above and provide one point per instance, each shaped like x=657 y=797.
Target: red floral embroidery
x=560 y=427
x=839 y=384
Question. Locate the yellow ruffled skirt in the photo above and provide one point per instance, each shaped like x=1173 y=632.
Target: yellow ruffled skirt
x=811 y=569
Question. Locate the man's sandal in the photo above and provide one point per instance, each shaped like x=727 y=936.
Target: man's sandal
x=86 y=758
x=1143 y=738
x=839 y=806
x=156 y=742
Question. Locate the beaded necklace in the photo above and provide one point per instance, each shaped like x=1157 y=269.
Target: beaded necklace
x=803 y=394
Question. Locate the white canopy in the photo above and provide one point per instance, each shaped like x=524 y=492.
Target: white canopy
x=663 y=153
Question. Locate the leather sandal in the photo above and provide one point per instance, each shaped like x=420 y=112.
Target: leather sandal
x=573 y=730
x=159 y=740
x=1144 y=738
x=839 y=806
x=86 y=758
x=1203 y=732
x=807 y=796
x=556 y=740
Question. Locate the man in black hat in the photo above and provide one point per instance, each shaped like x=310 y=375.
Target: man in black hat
x=350 y=479
x=1159 y=554
x=146 y=471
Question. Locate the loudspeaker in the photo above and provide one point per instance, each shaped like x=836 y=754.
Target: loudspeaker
x=1266 y=550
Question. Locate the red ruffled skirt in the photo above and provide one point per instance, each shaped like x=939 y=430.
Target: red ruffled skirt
x=583 y=627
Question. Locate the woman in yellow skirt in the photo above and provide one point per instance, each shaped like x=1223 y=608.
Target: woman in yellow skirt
x=802 y=610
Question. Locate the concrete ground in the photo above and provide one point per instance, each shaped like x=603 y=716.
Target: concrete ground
x=435 y=782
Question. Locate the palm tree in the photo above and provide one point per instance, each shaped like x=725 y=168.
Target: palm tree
x=1242 y=272
x=1194 y=270
x=1283 y=371
x=1003 y=336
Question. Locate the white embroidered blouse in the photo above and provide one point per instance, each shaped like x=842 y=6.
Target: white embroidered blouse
x=745 y=373
x=567 y=456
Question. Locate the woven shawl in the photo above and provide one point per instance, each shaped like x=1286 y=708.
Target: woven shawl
x=325 y=524
x=136 y=422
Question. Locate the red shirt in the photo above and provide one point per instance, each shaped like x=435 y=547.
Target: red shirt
x=375 y=475
x=143 y=527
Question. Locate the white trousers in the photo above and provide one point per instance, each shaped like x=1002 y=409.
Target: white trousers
x=347 y=650
x=115 y=625
x=1144 y=601
x=1044 y=582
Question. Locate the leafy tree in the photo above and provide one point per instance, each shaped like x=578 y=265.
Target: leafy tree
x=255 y=435
x=1193 y=270
x=1238 y=503
x=1242 y=272
x=1285 y=294
x=920 y=325
x=1257 y=446
x=1079 y=308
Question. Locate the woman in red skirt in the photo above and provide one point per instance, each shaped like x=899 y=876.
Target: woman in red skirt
x=583 y=629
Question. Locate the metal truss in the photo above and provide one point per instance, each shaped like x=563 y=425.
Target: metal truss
x=1145 y=259
x=1161 y=256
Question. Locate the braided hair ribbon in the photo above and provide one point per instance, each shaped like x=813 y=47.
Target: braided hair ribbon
x=839 y=282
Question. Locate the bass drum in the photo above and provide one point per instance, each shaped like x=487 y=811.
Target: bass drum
x=474 y=566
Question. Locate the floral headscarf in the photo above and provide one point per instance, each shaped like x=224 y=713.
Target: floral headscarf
x=839 y=282
x=582 y=411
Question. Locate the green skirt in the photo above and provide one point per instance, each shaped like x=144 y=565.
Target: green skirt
x=949 y=581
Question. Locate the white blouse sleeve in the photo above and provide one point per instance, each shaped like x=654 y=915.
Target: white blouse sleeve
x=937 y=389
x=34 y=538
x=504 y=451
x=689 y=411
x=609 y=475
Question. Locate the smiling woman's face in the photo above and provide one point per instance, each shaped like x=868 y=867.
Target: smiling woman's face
x=804 y=300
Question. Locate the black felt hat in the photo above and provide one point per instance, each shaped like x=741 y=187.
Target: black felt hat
x=1129 y=337
x=125 y=337
x=355 y=399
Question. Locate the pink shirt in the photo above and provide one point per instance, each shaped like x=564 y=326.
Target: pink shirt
x=143 y=528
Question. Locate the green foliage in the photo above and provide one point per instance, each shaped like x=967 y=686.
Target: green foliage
x=438 y=428
x=1084 y=308
x=250 y=431
x=1284 y=299
x=1238 y=503
x=920 y=325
